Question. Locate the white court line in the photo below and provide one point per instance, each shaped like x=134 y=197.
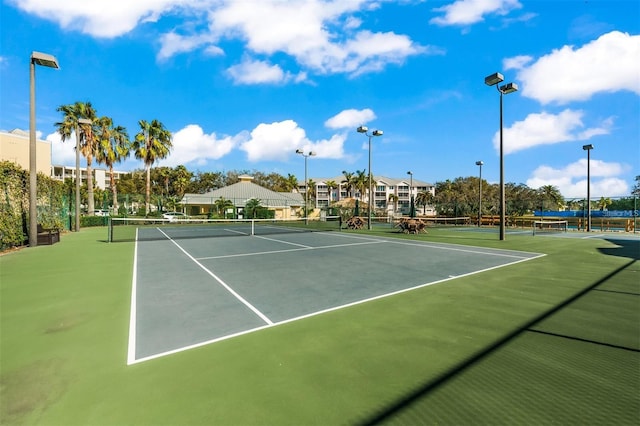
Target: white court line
x=131 y=352
x=335 y=308
x=489 y=252
x=284 y=242
x=303 y=248
x=222 y=283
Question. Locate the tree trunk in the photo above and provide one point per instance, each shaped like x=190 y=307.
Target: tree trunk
x=147 y=191
x=114 y=190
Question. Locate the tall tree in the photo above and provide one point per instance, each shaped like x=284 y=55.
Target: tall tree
x=291 y=183
x=424 y=198
x=550 y=193
x=222 y=205
x=636 y=188
x=152 y=143
x=113 y=146
x=181 y=179
x=393 y=199
x=349 y=182
x=70 y=124
x=331 y=185
x=362 y=183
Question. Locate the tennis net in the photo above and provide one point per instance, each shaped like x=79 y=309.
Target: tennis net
x=549 y=226
x=143 y=229
x=446 y=221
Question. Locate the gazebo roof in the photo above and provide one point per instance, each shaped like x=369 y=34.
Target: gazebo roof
x=239 y=193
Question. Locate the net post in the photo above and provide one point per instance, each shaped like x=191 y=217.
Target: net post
x=109 y=230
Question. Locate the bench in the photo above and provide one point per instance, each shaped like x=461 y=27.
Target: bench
x=47 y=236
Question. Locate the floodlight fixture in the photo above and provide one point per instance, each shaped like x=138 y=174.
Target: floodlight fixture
x=493 y=79
x=377 y=133
x=509 y=88
x=44 y=59
x=362 y=129
x=587 y=147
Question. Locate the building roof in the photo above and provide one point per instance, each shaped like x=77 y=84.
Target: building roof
x=239 y=193
x=376 y=179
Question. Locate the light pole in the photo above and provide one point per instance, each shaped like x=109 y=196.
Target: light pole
x=588 y=148
x=80 y=121
x=505 y=89
x=306 y=184
x=49 y=61
x=412 y=207
x=479 y=164
x=364 y=130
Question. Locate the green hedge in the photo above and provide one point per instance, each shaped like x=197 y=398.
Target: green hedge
x=14 y=204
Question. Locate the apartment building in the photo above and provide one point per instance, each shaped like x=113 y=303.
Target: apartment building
x=14 y=147
x=389 y=194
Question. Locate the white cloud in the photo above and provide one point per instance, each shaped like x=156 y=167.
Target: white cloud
x=322 y=36
x=304 y=33
x=350 y=118
x=62 y=153
x=279 y=141
x=608 y=64
x=465 y=12
x=547 y=129
x=275 y=141
x=192 y=145
x=572 y=183
x=173 y=43
x=258 y=72
x=99 y=18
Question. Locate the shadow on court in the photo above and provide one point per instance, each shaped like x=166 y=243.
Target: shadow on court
x=398 y=412
x=625 y=248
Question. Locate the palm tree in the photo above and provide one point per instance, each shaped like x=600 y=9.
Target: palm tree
x=424 y=198
x=251 y=208
x=349 y=182
x=393 y=198
x=331 y=184
x=113 y=146
x=291 y=183
x=311 y=188
x=551 y=193
x=362 y=183
x=73 y=113
x=181 y=180
x=604 y=203
x=221 y=205
x=152 y=143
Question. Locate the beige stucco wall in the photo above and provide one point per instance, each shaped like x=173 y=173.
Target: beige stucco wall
x=15 y=148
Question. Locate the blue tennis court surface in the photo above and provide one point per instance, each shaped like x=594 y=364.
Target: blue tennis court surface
x=191 y=292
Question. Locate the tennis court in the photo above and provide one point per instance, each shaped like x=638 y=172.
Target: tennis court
x=188 y=292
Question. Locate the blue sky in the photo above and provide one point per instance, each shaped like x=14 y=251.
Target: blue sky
x=242 y=84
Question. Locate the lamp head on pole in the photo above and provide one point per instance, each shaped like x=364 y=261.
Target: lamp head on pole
x=479 y=163
x=299 y=151
x=362 y=129
x=587 y=147
x=493 y=79
x=410 y=173
x=44 y=59
x=377 y=133
x=509 y=88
